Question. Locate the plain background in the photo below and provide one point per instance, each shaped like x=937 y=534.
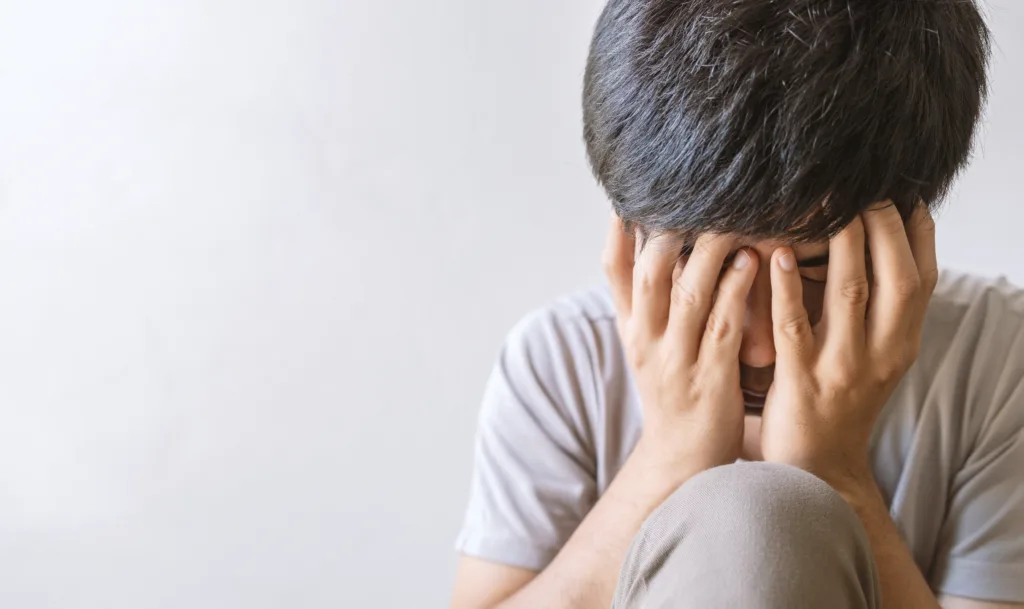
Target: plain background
x=257 y=259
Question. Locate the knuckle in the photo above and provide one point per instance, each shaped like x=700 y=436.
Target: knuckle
x=719 y=327
x=908 y=287
x=795 y=327
x=841 y=371
x=684 y=295
x=632 y=339
x=636 y=351
x=889 y=371
x=891 y=367
x=673 y=363
x=856 y=291
x=930 y=278
x=646 y=281
x=844 y=376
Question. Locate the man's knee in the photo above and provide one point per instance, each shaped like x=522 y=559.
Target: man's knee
x=777 y=531
x=749 y=513
x=768 y=494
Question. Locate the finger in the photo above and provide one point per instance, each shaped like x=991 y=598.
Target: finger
x=723 y=332
x=794 y=341
x=694 y=291
x=921 y=234
x=896 y=280
x=846 y=287
x=617 y=260
x=652 y=285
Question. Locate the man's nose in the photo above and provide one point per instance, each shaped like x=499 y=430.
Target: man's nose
x=758 y=347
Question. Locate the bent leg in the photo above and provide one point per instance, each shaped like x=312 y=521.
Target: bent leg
x=750 y=535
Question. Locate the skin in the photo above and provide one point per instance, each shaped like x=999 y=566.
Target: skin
x=697 y=330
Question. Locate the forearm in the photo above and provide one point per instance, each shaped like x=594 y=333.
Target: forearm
x=902 y=584
x=585 y=572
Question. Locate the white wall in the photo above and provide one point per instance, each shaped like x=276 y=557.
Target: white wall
x=257 y=258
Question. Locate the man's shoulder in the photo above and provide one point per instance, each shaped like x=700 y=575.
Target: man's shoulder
x=590 y=304
x=963 y=289
x=966 y=306
x=571 y=347
x=972 y=357
x=586 y=314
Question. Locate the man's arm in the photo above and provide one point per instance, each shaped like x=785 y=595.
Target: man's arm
x=482 y=583
x=585 y=572
x=903 y=585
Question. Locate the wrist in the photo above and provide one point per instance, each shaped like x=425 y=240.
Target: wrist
x=848 y=472
x=857 y=487
x=665 y=460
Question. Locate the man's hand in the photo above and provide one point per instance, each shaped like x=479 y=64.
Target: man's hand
x=831 y=381
x=681 y=326
x=681 y=322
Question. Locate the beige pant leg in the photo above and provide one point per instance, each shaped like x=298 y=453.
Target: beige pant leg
x=750 y=536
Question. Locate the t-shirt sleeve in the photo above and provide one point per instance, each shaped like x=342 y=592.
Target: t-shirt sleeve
x=981 y=544
x=533 y=477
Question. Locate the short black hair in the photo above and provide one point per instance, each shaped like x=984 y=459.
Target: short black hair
x=780 y=118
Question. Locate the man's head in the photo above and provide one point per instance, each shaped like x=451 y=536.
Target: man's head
x=780 y=121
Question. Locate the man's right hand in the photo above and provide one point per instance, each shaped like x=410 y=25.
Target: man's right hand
x=681 y=323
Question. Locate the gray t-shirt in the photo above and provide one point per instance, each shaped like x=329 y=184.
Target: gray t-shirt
x=561 y=414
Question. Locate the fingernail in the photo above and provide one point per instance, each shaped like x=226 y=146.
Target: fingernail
x=787 y=262
x=741 y=261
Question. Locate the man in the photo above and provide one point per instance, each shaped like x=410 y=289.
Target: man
x=778 y=402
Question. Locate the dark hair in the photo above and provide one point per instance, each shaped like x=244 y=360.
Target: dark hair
x=780 y=118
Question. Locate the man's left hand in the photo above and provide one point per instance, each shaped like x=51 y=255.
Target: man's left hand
x=833 y=379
